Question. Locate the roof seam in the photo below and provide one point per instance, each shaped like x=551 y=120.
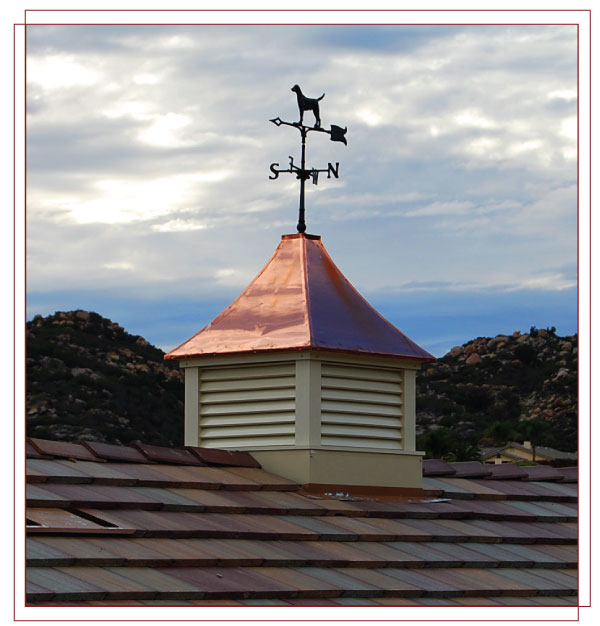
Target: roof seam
x=305 y=289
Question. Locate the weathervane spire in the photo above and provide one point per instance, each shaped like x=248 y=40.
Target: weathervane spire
x=336 y=133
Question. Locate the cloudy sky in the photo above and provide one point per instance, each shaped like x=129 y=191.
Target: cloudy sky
x=455 y=213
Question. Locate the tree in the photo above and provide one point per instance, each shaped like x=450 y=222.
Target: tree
x=500 y=432
x=438 y=443
x=533 y=431
x=464 y=451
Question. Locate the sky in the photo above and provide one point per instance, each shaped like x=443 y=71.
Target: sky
x=455 y=213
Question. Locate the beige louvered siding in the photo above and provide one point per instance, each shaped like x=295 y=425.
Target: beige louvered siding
x=361 y=407
x=247 y=406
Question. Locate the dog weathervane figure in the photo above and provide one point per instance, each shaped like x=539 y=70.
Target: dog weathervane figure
x=336 y=133
x=308 y=104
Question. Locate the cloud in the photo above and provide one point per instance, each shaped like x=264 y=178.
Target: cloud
x=127 y=200
x=542 y=281
x=473 y=118
x=441 y=208
x=149 y=149
x=118 y=265
x=179 y=225
x=60 y=71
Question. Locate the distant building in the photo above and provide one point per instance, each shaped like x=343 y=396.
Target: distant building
x=513 y=452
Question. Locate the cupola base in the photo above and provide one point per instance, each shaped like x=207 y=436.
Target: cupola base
x=366 y=471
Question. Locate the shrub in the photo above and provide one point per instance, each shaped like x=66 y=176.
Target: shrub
x=526 y=354
x=478 y=398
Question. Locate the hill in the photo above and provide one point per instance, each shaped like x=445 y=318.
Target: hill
x=491 y=390
x=88 y=379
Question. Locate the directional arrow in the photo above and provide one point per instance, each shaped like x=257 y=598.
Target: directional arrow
x=336 y=133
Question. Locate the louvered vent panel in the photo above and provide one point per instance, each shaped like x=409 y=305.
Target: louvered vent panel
x=361 y=407
x=252 y=406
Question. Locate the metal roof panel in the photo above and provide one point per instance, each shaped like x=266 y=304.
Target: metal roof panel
x=231 y=582
x=437 y=467
x=542 y=472
x=41 y=554
x=115 y=453
x=104 y=473
x=266 y=479
x=305 y=581
x=231 y=458
x=101 y=496
x=56 y=471
x=162 y=454
x=62 y=584
x=350 y=580
x=505 y=471
x=59 y=519
x=472 y=469
x=420 y=582
x=271 y=545
x=476 y=581
x=62 y=449
x=111 y=581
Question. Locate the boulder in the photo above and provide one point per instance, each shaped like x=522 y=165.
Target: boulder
x=83 y=371
x=496 y=342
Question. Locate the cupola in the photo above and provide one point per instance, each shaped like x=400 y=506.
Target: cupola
x=304 y=373
x=301 y=371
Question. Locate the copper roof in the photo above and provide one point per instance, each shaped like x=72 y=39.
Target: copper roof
x=153 y=531
x=300 y=300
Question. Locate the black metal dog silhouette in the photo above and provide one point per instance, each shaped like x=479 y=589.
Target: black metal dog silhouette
x=308 y=104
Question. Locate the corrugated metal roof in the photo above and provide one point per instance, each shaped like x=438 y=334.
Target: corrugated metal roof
x=158 y=533
x=300 y=300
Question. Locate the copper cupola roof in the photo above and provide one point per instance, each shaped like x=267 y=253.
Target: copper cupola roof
x=300 y=300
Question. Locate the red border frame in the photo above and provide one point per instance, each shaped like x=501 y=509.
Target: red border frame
x=577 y=24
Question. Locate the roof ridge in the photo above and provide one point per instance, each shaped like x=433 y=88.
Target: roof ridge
x=100 y=452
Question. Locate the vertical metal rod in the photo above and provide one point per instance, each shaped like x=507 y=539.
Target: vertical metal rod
x=301 y=221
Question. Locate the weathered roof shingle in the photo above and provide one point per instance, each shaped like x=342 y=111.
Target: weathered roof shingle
x=121 y=529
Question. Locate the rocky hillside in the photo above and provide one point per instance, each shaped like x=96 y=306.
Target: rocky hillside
x=88 y=379
x=510 y=387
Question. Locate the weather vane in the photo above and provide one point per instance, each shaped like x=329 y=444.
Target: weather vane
x=336 y=133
